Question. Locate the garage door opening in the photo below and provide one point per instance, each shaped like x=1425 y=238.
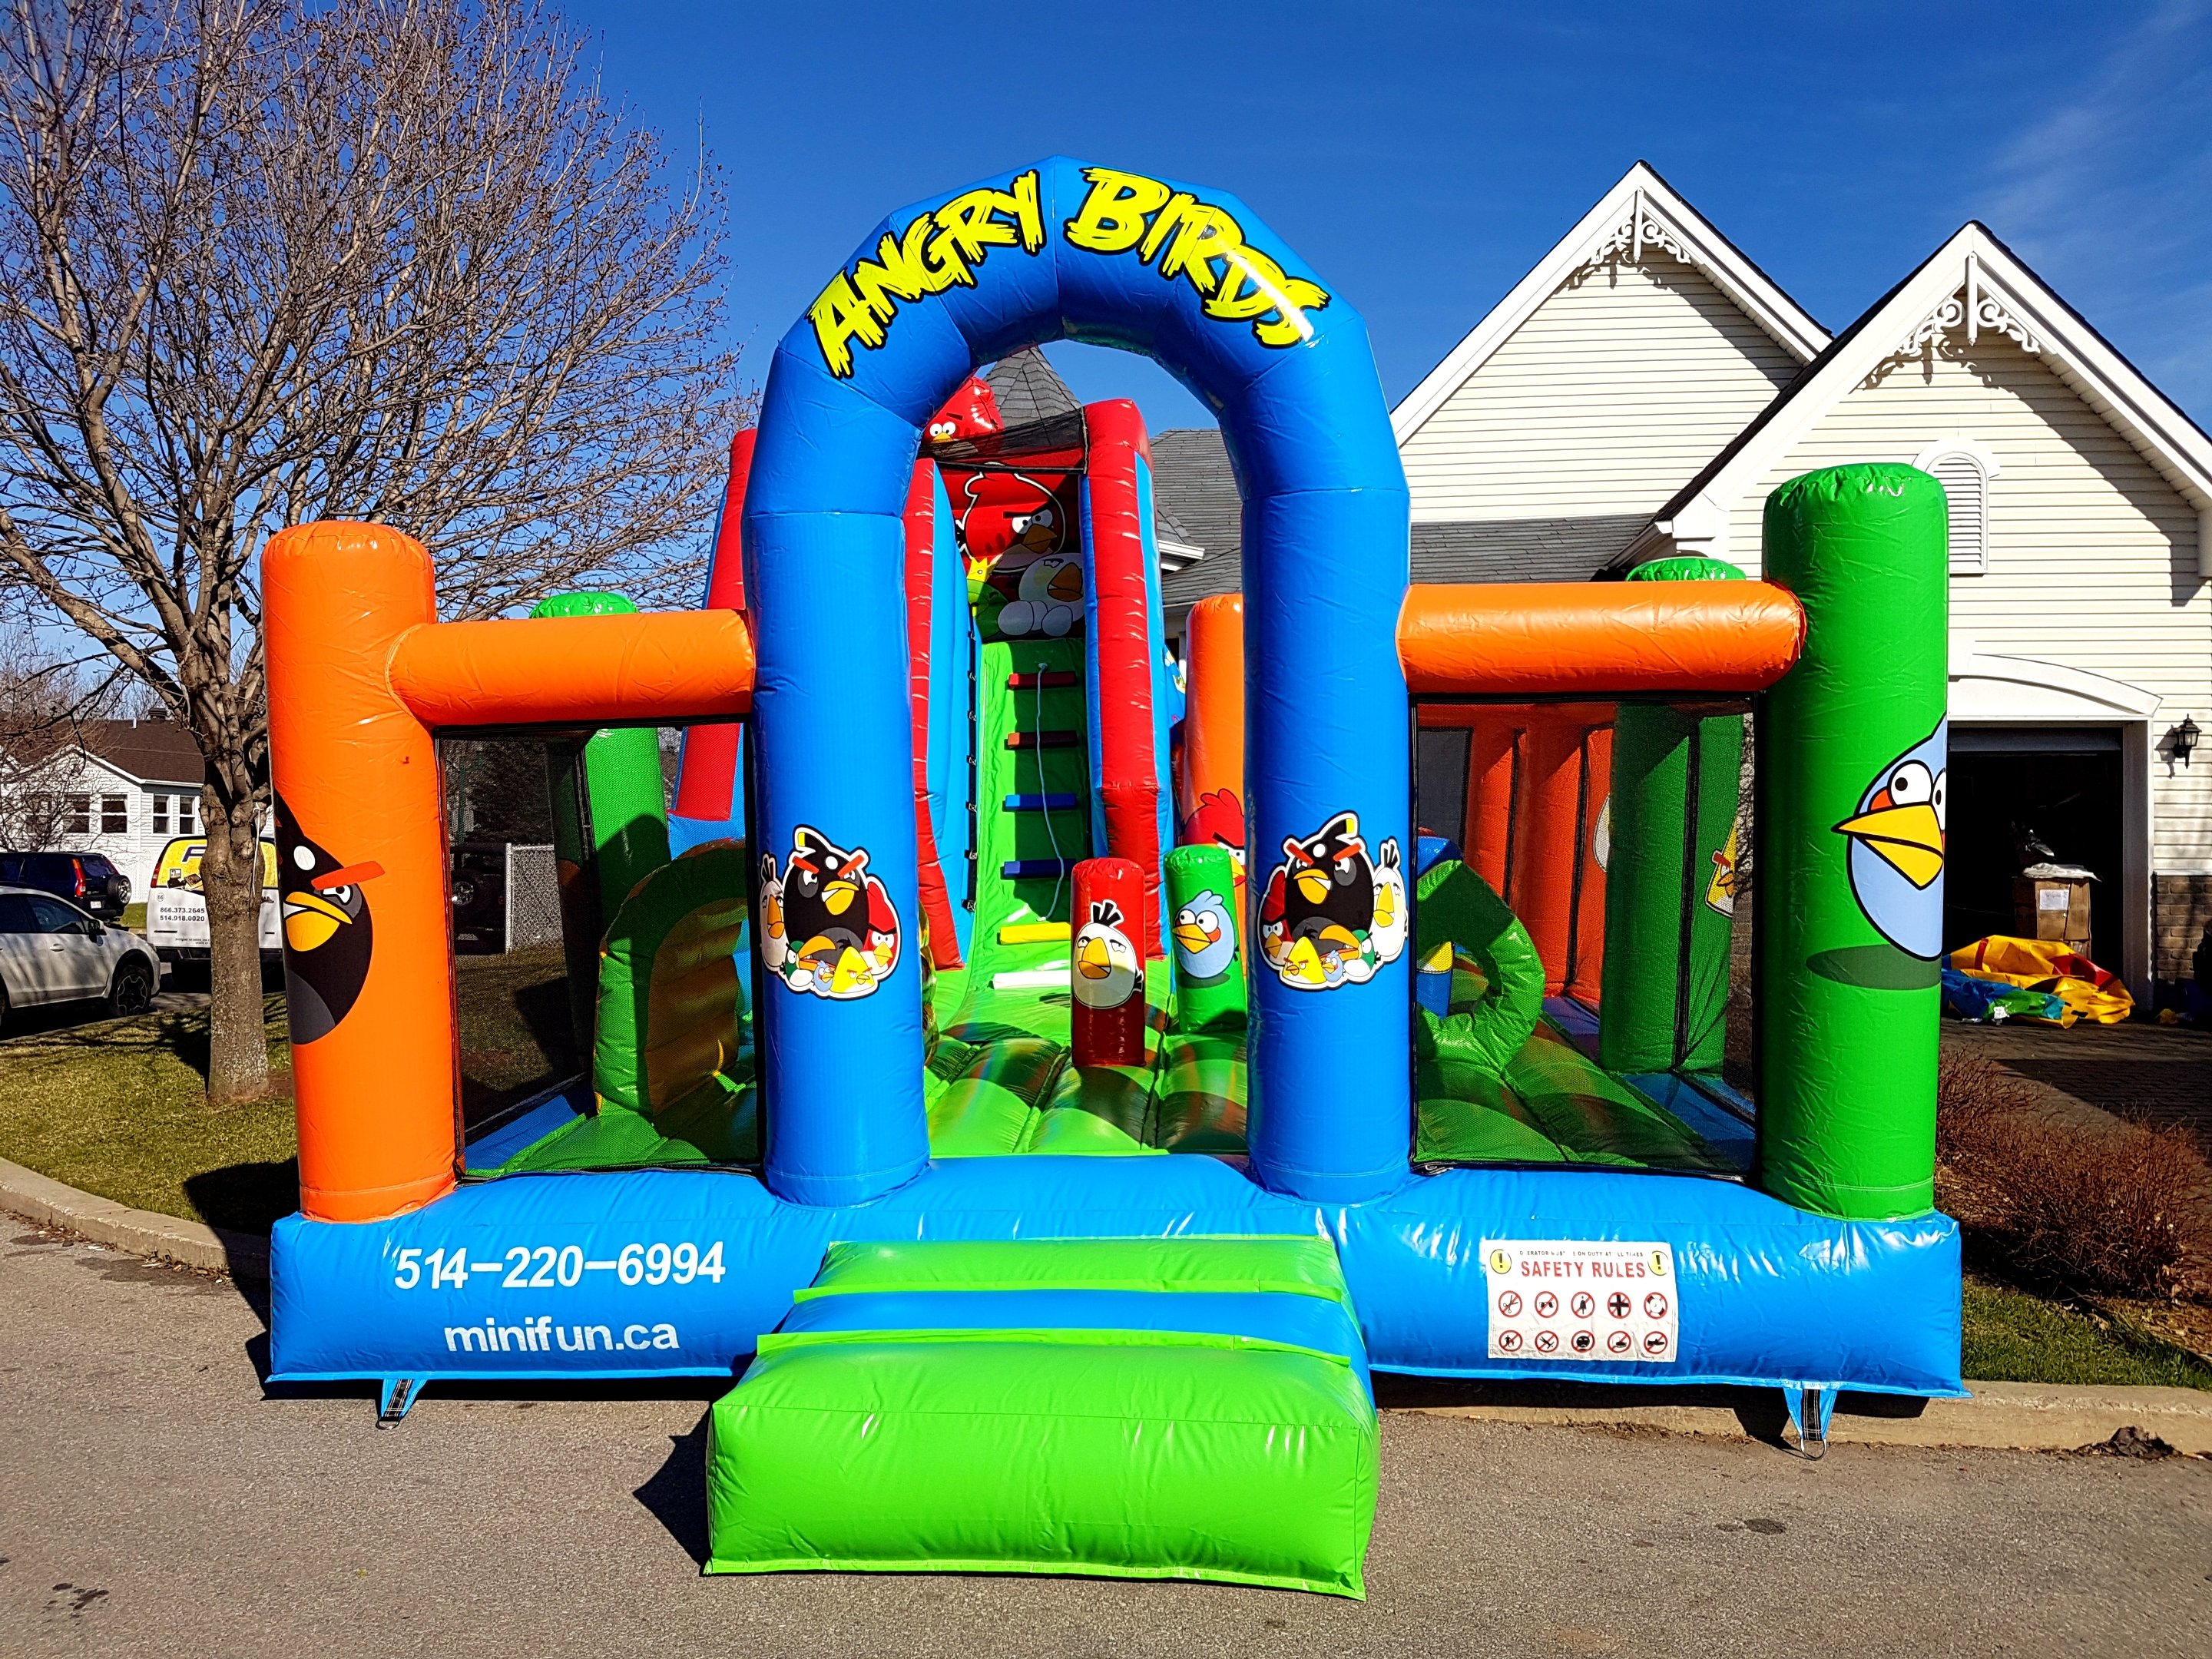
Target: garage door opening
x=2012 y=787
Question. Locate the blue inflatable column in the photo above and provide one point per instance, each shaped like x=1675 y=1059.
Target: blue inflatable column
x=839 y=1020
x=1325 y=564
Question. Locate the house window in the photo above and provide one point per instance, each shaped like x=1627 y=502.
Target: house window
x=187 y=808
x=1964 y=468
x=161 y=814
x=114 y=815
x=80 y=815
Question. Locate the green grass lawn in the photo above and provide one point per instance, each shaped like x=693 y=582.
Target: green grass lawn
x=2013 y=1337
x=119 y=1106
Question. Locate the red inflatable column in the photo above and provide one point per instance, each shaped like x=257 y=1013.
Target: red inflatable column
x=920 y=579
x=1490 y=759
x=707 y=781
x=1545 y=822
x=1107 y=964
x=1587 y=969
x=1122 y=645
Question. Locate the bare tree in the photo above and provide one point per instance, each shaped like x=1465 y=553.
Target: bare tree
x=269 y=261
x=45 y=701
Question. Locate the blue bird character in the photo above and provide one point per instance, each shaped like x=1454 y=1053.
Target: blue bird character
x=1896 y=848
x=1206 y=939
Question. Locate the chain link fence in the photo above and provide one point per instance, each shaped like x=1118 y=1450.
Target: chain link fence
x=533 y=898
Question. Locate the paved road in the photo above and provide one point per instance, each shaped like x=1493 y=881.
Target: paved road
x=151 y=1502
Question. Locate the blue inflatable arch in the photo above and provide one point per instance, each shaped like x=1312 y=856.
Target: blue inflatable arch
x=1064 y=250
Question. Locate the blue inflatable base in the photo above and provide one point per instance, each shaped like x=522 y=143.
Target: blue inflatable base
x=660 y=1272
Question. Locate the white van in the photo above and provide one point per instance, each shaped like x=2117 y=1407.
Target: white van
x=176 y=910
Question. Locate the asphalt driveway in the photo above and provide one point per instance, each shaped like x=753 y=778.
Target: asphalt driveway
x=153 y=1501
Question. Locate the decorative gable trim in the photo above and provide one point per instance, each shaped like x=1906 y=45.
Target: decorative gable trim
x=1972 y=285
x=1640 y=215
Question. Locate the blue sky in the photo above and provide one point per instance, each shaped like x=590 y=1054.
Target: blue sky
x=1422 y=157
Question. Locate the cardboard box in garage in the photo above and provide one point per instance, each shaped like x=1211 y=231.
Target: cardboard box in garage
x=2052 y=907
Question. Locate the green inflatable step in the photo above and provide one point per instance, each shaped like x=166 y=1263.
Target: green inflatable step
x=1134 y=1408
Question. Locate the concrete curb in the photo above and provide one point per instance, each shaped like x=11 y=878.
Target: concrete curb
x=2001 y=1416
x=38 y=1198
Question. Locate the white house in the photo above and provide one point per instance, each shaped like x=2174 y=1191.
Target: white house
x=131 y=787
x=1646 y=386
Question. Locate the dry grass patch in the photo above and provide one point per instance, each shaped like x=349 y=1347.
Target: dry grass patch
x=2095 y=1208
x=119 y=1108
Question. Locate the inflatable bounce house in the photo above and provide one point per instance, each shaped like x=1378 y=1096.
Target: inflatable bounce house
x=1048 y=1084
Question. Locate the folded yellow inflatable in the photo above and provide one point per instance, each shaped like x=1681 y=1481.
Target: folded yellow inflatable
x=2088 y=990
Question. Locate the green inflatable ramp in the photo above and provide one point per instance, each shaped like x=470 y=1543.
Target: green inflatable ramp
x=1132 y=1408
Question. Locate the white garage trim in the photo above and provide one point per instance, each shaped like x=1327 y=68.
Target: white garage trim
x=1993 y=690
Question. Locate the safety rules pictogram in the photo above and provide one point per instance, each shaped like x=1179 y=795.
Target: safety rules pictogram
x=1567 y=1299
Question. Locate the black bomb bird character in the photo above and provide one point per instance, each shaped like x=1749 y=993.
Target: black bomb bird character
x=829 y=928
x=1332 y=913
x=329 y=935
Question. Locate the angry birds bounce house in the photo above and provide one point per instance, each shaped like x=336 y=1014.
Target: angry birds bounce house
x=1049 y=1076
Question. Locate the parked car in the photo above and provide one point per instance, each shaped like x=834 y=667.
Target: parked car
x=87 y=880
x=51 y=952
x=176 y=908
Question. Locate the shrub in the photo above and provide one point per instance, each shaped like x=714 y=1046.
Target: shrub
x=2101 y=1208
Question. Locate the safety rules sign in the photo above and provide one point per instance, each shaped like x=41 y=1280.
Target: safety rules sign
x=1569 y=1299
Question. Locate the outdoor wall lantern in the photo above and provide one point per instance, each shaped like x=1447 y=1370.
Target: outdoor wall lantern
x=2185 y=739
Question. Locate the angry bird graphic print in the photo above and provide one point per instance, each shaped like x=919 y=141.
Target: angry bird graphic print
x=972 y=412
x=1204 y=935
x=1106 y=972
x=1218 y=821
x=1897 y=846
x=328 y=936
x=828 y=927
x=1333 y=914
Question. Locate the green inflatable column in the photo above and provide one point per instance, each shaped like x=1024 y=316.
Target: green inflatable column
x=1209 y=961
x=1669 y=890
x=1670 y=882
x=610 y=822
x=1851 y=786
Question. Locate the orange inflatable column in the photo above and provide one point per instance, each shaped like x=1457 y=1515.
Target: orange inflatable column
x=360 y=872
x=1490 y=766
x=1546 y=817
x=1210 y=794
x=1586 y=967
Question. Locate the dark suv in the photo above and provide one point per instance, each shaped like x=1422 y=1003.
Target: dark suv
x=89 y=880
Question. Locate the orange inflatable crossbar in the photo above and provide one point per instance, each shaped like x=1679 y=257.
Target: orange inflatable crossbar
x=575 y=670
x=361 y=676
x=1553 y=639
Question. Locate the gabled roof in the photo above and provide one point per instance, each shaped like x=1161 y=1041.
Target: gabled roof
x=1195 y=488
x=1568 y=549
x=1027 y=388
x=1973 y=284
x=1642 y=210
x=151 y=751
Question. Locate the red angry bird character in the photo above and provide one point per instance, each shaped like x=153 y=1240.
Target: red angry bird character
x=1010 y=514
x=1218 y=821
x=972 y=412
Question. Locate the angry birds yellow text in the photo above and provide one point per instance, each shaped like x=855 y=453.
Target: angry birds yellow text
x=1199 y=242
x=939 y=250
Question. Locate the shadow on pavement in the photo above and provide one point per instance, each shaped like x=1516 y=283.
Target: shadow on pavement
x=676 y=1495
x=1760 y=1412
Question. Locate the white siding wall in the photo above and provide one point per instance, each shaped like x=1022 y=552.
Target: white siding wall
x=133 y=854
x=1617 y=389
x=2091 y=554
